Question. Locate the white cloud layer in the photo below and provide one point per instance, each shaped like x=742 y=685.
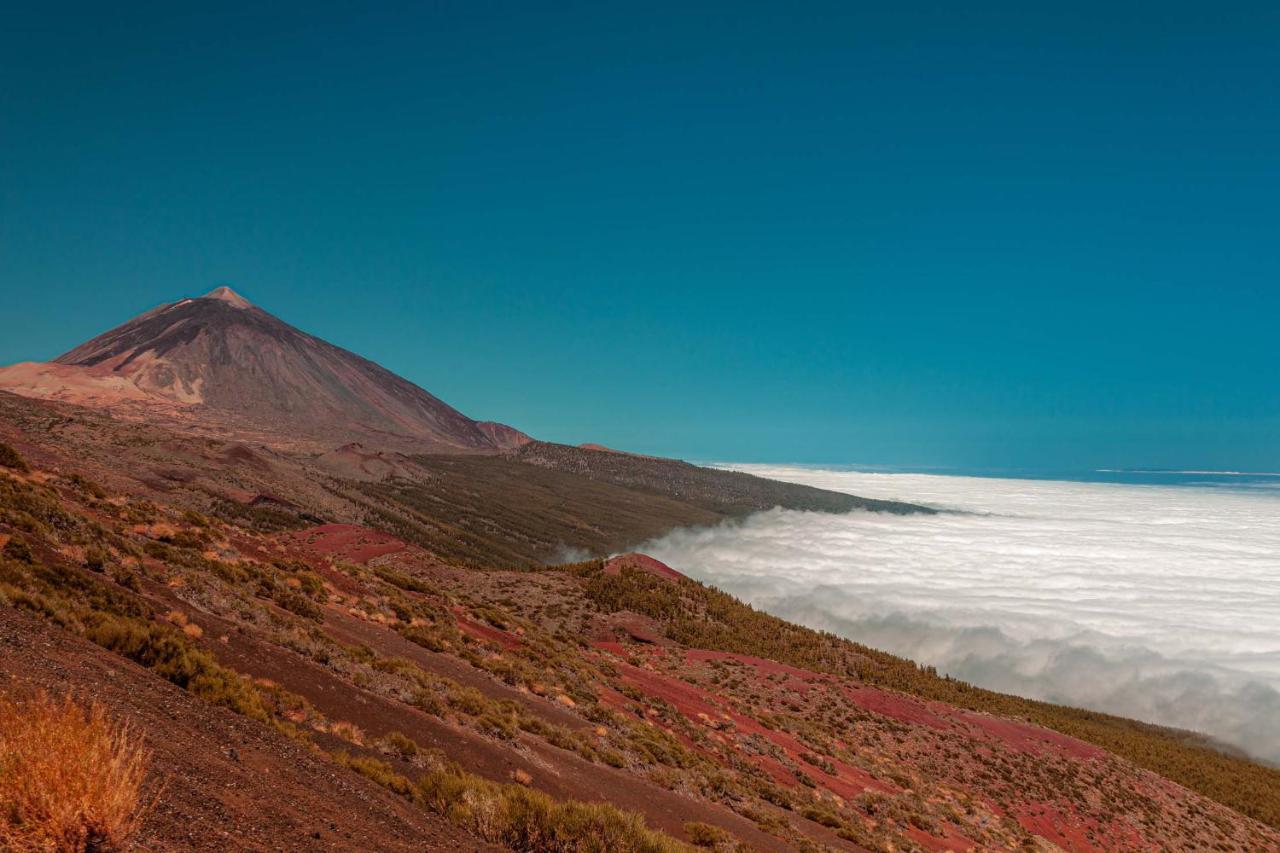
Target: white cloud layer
x=1159 y=603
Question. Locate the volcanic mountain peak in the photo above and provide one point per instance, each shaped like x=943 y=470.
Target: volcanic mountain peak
x=225 y=361
x=229 y=296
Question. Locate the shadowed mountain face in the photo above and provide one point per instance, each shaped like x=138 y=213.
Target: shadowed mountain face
x=221 y=352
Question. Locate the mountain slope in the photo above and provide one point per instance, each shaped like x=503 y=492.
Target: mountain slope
x=620 y=690
x=220 y=367
x=220 y=355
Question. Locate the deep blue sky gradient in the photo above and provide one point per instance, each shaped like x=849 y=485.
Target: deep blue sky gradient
x=996 y=235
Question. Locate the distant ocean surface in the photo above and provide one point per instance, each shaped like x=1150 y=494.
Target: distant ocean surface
x=1152 y=594
x=1251 y=480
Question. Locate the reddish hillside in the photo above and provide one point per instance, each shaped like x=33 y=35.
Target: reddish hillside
x=641 y=563
x=315 y=655
x=502 y=436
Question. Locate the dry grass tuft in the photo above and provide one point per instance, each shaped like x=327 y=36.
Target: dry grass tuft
x=349 y=732
x=70 y=779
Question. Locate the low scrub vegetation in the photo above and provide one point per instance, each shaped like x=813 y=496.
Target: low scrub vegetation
x=517 y=816
x=131 y=576
x=12 y=459
x=174 y=657
x=705 y=835
x=70 y=779
x=703 y=617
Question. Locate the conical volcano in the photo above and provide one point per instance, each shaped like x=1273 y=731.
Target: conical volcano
x=224 y=357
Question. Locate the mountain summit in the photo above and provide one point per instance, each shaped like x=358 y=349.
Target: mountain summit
x=229 y=296
x=220 y=355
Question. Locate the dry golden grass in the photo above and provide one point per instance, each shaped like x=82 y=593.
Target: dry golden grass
x=70 y=779
x=349 y=732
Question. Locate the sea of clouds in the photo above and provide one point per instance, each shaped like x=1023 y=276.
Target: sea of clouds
x=1160 y=603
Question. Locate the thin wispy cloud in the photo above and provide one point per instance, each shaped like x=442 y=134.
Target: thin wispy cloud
x=1192 y=471
x=1161 y=603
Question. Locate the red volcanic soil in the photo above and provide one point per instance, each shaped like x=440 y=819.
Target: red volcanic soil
x=240 y=454
x=694 y=702
x=1025 y=737
x=668 y=675
x=898 y=707
x=763 y=666
x=635 y=626
x=1022 y=737
x=951 y=840
x=486 y=632
x=1068 y=831
x=351 y=542
x=708 y=709
x=643 y=563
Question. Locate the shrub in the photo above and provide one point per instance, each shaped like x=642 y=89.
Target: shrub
x=378 y=771
x=516 y=816
x=401 y=580
x=429 y=639
x=468 y=700
x=296 y=602
x=12 y=459
x=822 y=816
x=402 y=744
x=173 y=656
x=18 y=549
x=96 y=558
x=348 y=732
x=87 y=486
x=127 y=578
x=70 y=779
x=524 y=819
x=704 y=834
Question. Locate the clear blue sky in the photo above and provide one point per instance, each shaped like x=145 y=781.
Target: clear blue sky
x=946 y=234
